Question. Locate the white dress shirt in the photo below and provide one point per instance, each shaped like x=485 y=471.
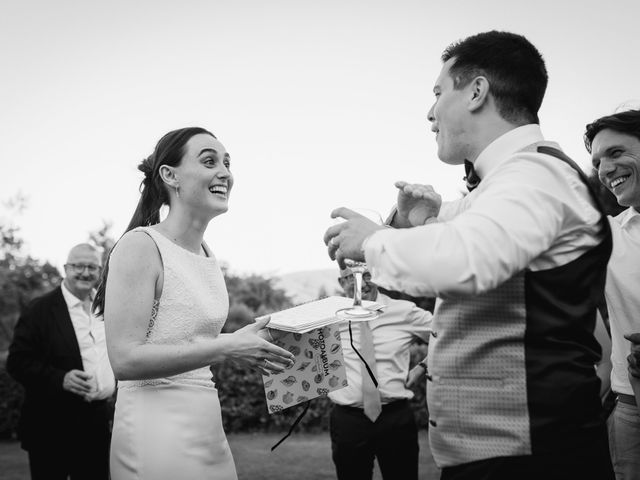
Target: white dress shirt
x=90 y=334
x=522 y=215
x=623 y=293
x=393 y=332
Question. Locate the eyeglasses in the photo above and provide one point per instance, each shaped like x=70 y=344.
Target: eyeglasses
x=79 y=267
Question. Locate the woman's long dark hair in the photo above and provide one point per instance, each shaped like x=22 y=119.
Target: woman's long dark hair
x=153 y=191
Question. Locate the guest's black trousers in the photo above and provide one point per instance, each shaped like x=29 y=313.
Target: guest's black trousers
x=392 y=439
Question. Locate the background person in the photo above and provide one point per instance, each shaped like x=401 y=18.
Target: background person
x=614 y=144
x=381 y=426
x=59 y=355
x=165 y=302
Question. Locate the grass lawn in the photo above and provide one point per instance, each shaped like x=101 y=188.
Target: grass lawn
x=300 y=457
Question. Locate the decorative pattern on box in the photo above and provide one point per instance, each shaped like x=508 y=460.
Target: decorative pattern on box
x=318 y=368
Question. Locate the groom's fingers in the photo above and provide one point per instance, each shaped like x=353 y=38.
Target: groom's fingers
x=331 y=240
x=345 y=213
x=331 y=232
x=340 y=259
x=427 y=192
x=333 y=248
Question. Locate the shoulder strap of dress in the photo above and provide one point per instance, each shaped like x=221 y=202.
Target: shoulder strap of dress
x=155 y=236
x=157 y=239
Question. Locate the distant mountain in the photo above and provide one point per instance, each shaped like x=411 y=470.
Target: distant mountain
x=309 y=285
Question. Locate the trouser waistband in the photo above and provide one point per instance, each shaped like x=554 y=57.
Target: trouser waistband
x=387 y=407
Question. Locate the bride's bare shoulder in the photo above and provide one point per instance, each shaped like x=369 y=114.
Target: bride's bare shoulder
x=135 y=248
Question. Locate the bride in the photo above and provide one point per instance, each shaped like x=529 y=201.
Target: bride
x=164 y=302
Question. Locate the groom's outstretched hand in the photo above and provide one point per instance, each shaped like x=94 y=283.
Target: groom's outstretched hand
x=416 y=204
x=344 y=241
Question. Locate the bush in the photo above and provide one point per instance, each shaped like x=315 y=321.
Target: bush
x=244 y=408
x=11 y=396
x=239 y=316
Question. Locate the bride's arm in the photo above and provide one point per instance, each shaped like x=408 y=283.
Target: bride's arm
x=134 y=269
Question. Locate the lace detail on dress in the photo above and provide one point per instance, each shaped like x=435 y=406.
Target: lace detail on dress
x=193 y=306
x=154 y=314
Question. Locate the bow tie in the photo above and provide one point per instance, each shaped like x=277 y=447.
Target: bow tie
x=471 y=178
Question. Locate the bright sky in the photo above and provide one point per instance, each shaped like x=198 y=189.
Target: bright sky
x=320 y=104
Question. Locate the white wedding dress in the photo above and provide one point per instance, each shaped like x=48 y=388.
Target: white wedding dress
x=171 y=428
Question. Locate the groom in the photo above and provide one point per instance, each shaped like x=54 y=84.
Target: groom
x=520 y=264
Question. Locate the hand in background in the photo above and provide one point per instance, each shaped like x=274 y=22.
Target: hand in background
x=633 y=359
x=634 y=365
x=416 y=374
x=417 y=203
x=250 y=347
x=78 y=382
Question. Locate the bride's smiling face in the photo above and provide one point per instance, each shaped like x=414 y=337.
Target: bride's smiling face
x=204 y=176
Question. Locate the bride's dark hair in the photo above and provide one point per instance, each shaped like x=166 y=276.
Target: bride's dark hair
x=153 y=191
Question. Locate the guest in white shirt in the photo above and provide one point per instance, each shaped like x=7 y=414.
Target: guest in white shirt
x=89 y=331
x=59 y=355
x=519 y=264
x=614 y=144
x=386 y=430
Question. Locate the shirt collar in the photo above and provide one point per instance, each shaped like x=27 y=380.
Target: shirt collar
x=627 y=215
x=70 y=299
x=505 y=145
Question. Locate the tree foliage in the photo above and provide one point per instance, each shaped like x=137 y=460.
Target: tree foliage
x=251 y=296
x=103 y=239
x=22 y=277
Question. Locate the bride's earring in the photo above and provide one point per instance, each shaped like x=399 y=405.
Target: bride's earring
x=178 y=190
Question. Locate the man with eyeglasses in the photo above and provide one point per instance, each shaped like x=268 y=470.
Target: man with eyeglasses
x=369 y=421
x=59 y=355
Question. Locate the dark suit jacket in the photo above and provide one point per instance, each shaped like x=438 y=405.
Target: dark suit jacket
x=43 y=350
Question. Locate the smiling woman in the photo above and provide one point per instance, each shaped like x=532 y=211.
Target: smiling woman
x=165 y=302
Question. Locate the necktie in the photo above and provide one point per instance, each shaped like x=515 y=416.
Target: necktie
x=471 y=178
x=370 y=393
